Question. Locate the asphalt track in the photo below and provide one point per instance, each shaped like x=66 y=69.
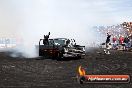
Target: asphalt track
x=22 y=72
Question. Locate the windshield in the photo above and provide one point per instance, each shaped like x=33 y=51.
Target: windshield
x=59 y=42
x=51 y=41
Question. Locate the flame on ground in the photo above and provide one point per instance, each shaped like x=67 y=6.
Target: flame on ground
x=81 y=71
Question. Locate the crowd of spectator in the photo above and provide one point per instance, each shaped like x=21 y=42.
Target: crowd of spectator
x=121 y=35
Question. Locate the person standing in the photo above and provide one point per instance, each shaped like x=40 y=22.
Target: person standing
x=121 y=42
x=121 y=39
x=107 y=44
x=126 y=43
x=114 y=42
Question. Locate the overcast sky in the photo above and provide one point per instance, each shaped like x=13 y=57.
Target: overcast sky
x=64 y=18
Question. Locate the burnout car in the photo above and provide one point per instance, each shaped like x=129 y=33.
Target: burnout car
x=60 y=48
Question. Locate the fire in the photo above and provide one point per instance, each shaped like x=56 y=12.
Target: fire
x=81 y=71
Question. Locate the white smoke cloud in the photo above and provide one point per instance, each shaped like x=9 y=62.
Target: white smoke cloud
x=31 y=19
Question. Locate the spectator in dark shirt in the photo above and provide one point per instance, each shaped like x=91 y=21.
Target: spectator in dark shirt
x=126 y=43
x=107 y=44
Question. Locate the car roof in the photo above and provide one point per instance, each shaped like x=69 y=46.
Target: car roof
x=60 y=39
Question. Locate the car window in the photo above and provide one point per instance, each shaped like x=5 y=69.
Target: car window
x=51 y=42
x=59 y=42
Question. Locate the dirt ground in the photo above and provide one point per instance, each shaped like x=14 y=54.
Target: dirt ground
x=49 y=73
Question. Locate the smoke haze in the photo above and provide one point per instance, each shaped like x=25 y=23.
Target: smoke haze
x=29 y=20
